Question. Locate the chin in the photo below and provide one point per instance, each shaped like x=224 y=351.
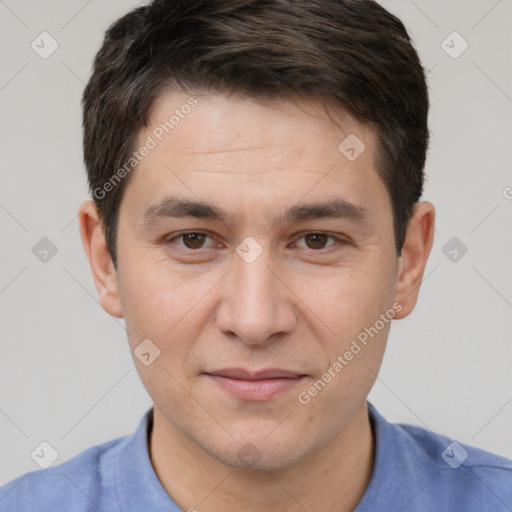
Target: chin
x=257 y=453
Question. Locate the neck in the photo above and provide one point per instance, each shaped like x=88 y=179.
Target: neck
x=333 y=478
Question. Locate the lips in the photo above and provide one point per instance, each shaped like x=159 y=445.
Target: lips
x=268 y=373
x=257 y=385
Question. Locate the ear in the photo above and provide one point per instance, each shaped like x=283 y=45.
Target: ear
x=102 y=267
x=415 y=253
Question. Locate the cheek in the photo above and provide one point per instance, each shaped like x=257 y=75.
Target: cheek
x=347 y=300
x=156 y=300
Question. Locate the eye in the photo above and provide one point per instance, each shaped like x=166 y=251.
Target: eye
x=192 y=240
x=317 y=241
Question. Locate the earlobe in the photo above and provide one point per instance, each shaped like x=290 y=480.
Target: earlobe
x=415 y=253
x=100 y=261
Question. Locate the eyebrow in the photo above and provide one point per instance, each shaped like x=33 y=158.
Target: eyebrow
x=173 y=207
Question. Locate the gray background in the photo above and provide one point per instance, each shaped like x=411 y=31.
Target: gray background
x=66 y=373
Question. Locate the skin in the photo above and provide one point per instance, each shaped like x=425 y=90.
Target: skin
x=297 y=306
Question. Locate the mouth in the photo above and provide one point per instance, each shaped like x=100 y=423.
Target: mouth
x=255 y=385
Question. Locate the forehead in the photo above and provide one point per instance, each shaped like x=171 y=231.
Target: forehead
x=226 y=122
x=251 y=155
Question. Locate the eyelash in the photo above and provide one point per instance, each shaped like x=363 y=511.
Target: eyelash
x=338 y=241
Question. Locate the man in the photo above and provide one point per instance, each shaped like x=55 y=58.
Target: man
x=256 y=170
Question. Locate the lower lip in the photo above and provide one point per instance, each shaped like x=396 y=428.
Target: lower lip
x=257 y=390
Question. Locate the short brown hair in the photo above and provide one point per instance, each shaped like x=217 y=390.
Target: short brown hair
x=350 y=53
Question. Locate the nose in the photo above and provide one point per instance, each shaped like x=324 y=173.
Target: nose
x=257 y=303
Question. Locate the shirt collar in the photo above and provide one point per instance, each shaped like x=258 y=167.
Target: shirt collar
x=384 y=465
x=138 y=485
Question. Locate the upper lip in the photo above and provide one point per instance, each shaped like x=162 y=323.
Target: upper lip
x=268 y=373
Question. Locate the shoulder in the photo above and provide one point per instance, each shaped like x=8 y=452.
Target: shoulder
x=446 y=453
x=78 y=484
x=439 y=470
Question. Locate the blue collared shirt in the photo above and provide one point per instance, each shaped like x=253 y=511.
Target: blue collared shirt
x=415 y=470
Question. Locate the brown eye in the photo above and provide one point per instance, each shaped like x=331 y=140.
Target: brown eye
x=316 y=240
x=193 y=240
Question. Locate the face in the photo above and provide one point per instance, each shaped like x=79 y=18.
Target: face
x=252 y=279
